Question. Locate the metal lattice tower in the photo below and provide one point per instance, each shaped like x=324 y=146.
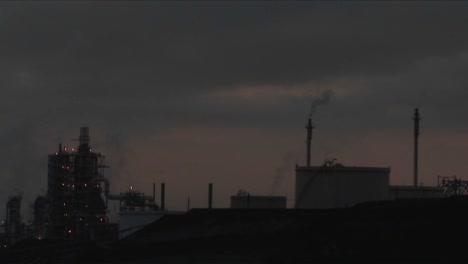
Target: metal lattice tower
x=76 y=208
x=452 y=185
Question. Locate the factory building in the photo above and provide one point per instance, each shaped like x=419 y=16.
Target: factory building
x=334 y=185
x=136 y=210
x=243 y=199
x=76 y=203
x=76 y=208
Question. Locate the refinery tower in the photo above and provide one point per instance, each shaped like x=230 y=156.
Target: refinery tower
x=77 y=194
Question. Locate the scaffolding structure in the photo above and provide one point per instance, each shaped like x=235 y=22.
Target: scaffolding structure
x=76 y=207
x=452 y=185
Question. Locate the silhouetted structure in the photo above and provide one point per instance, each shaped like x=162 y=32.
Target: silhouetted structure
x=163 y=196
x=40 y=217
x=416 y=119
x=334 y=185
x=135 y=211
x=76 y=209
x=410 y=192
x=372 y=214
x=134 y=201
x=13 y=226
x=452 y=185
x=244 y=200
x=309 y=140
x=210 y=195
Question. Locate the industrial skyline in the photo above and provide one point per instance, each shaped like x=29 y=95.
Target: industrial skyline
x=191 y=93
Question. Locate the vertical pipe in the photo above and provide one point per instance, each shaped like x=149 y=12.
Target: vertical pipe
x=154 y=192
x=84 y=136
x=162 y=196
x=188 y=203
x=7 y=222
x=210 y=195
x=416 y=119
x=60 y=148
x=309 y=139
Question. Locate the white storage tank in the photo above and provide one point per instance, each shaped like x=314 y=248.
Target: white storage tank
x=335 y=185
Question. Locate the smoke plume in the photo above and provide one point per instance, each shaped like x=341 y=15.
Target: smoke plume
x=323 y=99
x=283 y=171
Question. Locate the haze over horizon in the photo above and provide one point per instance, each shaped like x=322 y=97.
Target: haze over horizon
x=189 y=93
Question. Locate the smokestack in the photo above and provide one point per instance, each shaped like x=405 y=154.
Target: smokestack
x=162 y=196
x=60 y=148
x=416 y=119
x=210 y=195
x=154 y=192
x=309 y=139
x=84 y=136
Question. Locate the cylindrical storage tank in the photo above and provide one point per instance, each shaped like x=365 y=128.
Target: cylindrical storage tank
x=339 y=186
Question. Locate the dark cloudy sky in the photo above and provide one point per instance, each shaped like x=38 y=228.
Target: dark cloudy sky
x=189 y=93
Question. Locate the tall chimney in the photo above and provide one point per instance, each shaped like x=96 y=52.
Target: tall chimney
x=416 y=119
x=162 y=196
x=84 y=140
x=154 y=192
x=210 y=195
x=84 y=136
x=309 y=139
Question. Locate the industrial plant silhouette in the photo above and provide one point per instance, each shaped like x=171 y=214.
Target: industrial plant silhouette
x=341 y=214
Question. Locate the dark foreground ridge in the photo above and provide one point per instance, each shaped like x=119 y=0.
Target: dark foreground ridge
x=413 y=231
